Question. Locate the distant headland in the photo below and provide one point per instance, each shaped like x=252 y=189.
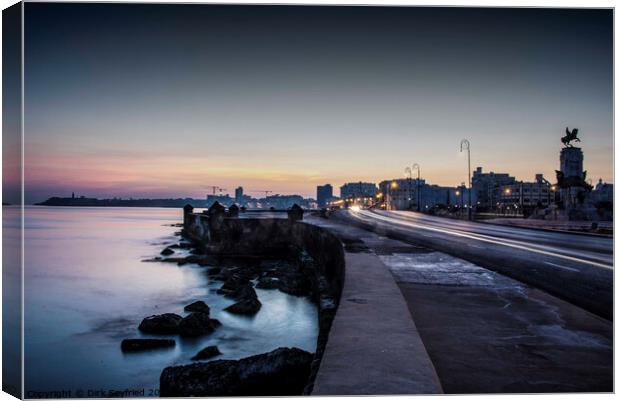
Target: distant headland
x=118 y=202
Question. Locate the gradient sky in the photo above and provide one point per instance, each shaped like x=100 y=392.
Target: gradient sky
x=164 y=100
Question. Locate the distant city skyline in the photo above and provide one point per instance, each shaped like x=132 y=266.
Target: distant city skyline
x=163 y=101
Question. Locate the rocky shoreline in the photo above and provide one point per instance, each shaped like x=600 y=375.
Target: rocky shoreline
x=283 y=371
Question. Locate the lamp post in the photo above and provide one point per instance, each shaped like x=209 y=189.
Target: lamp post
x=465 y=145
x=521 y=198
x=508 y=193
x=392 y=185
x=408 y=175
x=417 y=166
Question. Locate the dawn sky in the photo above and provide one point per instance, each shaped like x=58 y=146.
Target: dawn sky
x=165 y=100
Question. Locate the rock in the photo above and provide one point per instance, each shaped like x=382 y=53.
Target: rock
x=193 y=259
x=225 y=273
x=197 y=324
x=284 y=276
x=214 y=271
x=198 y=306
x=244 y=272
x=168 y=323
x=206 y=353
x=232 y=285
x=144 y=344
x=282 y=372
x=202 y=260
x=245 y=307
x=268 y=283
x=246 y=292
x=197 y=251
x=240 y=292
x=295 y=285
x=167 y=252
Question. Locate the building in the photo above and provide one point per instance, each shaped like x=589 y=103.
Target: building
x=225 y=200
x=239 y=195
x=399 y=194
x=523 y=197
x=486 y=188
x=354 y=190
x=411 y=194
x=603 y=193
x=324 y=194
x=282 y=201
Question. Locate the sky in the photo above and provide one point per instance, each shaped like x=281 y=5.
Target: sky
x=166 y=100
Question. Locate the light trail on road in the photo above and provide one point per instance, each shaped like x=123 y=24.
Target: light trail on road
x=515 y=244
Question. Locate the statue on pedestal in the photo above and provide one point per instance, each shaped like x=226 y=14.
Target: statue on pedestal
x=570 y=136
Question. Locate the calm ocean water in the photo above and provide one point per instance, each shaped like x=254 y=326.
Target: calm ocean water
x=86 y=289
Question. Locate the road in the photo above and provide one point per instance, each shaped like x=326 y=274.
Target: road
x=575 y=267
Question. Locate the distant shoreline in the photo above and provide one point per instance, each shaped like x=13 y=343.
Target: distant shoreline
x=86 y=202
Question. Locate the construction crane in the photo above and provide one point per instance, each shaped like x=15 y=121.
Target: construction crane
x=216 y=188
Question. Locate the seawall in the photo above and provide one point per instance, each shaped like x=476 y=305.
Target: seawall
x=368 y=342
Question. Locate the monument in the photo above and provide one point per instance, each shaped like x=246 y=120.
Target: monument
x=571 y=179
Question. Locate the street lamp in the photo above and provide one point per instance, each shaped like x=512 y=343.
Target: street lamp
x=465 y=145
x=507 y=193
x=408 y=175
x=392 y=185
x=417 y=166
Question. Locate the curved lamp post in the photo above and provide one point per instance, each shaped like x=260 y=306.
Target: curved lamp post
x=465 y=145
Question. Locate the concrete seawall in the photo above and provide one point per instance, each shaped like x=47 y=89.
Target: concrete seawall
x=369 y=344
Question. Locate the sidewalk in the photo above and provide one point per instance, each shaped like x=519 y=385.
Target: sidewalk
x=374 y=347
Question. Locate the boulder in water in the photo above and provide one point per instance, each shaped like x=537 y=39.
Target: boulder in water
x=197 y=324
x=198 y=306
x=248 y=306
x=168 y=323
x=207 y=352
x=282 y=372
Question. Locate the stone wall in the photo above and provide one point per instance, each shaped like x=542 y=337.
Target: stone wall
x=232 y=236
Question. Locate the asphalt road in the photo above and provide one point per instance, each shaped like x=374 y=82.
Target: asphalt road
x=575 y=267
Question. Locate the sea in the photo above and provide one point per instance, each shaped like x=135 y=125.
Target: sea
x=87 y=287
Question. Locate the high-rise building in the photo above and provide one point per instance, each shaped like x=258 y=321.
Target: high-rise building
x=239 y=194
x=324 y=193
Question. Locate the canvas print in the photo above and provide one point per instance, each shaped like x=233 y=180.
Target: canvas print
x=282 y=200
